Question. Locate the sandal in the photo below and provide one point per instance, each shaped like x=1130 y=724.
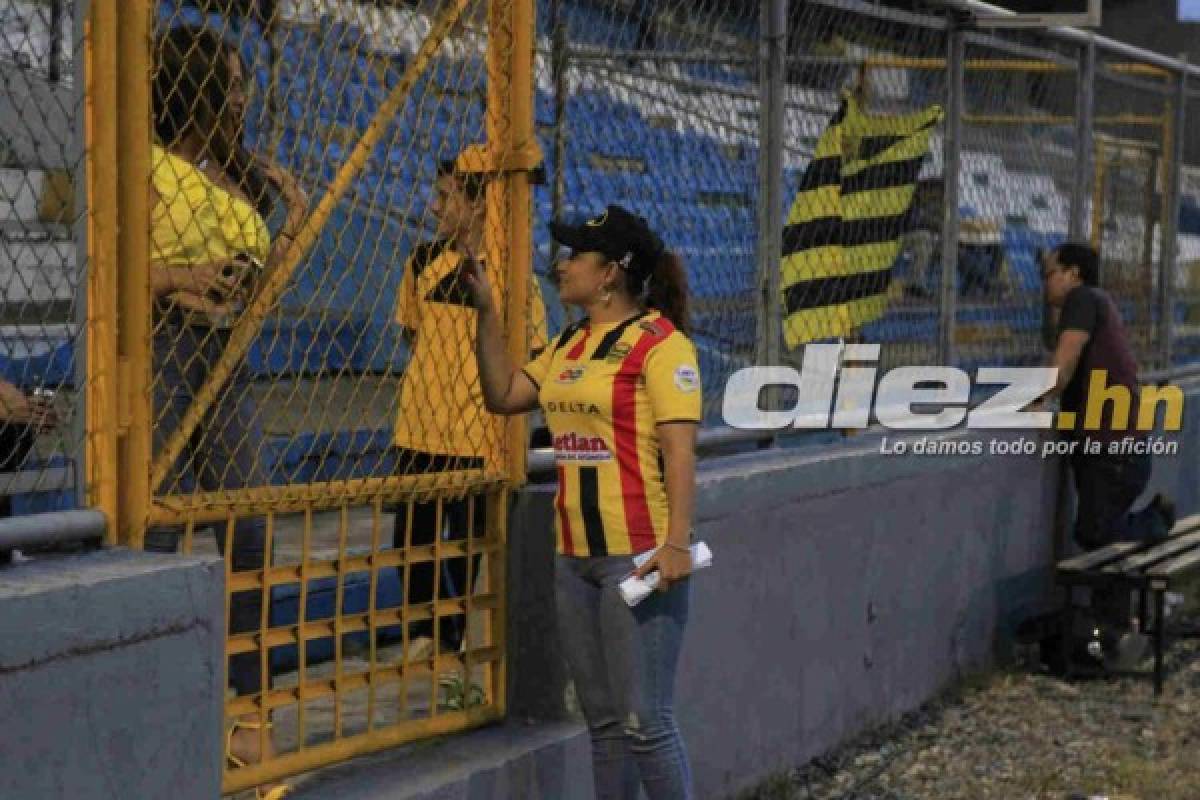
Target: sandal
x=274 y=793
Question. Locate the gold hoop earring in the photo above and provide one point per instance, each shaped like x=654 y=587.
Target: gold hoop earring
x=607 y=297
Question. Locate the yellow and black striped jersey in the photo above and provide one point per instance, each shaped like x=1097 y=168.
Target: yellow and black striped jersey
x=603 y=389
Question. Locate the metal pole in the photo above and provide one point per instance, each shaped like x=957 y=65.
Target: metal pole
x=99 y=381
x=54 y=67
x=1085 y=110
x=1172 y=200
x=770 y=159
x=511 y=137
x=950 y=223
x=558 y=70
x=82 y=68
x=51 y=527
x=133 y=277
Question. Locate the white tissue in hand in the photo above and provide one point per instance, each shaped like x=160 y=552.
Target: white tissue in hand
x=634 y=589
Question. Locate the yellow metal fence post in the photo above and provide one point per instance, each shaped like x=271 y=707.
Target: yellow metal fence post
x=100 y=153
x=133 y=253
x=512 y=138
x=514 y=149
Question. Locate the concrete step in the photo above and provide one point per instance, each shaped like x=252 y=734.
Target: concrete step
x=546 y=761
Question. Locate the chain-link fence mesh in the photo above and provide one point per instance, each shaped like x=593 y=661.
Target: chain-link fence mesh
x=1186 y=319
x=654 y=106
x=318 y=176
x=320 y=173
x=1020 y=146
x=42 y=255
x=348 y=363
x=1132 y=150
x=862 y=187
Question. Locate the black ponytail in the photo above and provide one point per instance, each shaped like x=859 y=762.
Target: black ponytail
x=667 y=290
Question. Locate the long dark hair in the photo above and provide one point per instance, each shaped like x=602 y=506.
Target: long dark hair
x=191 y=85
x=667 y=290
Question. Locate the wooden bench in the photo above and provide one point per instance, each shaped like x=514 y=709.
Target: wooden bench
x=1151 y=570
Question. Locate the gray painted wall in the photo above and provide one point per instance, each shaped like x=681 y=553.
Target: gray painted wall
x=848 y=587
x=110 y=677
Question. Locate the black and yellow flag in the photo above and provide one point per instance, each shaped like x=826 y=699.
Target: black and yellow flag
x=844 y=231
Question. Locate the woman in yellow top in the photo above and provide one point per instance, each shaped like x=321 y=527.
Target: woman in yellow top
x=210 y=198
x=621 y=394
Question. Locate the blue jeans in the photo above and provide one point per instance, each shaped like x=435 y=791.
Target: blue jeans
x=623 y=661
x=223 y=453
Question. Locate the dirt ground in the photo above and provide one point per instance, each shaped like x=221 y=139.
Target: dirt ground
x=1021 y=734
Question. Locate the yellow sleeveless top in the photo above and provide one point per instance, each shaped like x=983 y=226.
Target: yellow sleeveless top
x=198 y=222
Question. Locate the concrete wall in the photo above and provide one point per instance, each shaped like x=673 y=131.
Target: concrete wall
x=848 y=587
x=110 y=677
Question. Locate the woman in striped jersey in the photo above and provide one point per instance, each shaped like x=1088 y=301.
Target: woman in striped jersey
x=621 y=394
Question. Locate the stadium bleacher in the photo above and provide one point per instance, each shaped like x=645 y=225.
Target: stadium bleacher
x=675 y=142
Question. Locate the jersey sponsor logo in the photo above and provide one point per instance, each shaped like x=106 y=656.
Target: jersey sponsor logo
x=580 y=447
x=618 y=353
x=569 y=375
x=687 y=379
x=563 y=407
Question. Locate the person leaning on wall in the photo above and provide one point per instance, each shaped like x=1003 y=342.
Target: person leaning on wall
x=1086 y=336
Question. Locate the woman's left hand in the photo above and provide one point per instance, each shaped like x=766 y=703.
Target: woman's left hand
x=672 y=565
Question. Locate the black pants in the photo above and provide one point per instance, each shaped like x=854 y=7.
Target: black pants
x=456 y=518
x=1106 y=487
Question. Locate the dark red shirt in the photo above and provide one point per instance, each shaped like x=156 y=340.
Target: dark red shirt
x=1090 y=309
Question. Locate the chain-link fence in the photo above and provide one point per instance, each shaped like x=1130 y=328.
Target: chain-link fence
x=320 y=172
x=1186 y=319
x=1045 y=138
x=866 y=100
x=42 y=255
x=296 y=384
x=654 y=106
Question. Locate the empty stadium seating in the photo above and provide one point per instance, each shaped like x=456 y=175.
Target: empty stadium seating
x=686 y=158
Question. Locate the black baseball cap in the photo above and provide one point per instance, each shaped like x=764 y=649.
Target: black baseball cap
x=619 y=234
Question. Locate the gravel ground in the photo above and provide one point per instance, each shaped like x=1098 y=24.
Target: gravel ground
x=1022 y=735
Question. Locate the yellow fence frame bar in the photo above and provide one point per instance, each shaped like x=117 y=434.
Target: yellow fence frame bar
x=100 y=166
x=249 y=324
x=1005 y=65
x=321 y=755
x=513 y=146
x=203 y=507
x=133 y=296
x=1131 y=120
